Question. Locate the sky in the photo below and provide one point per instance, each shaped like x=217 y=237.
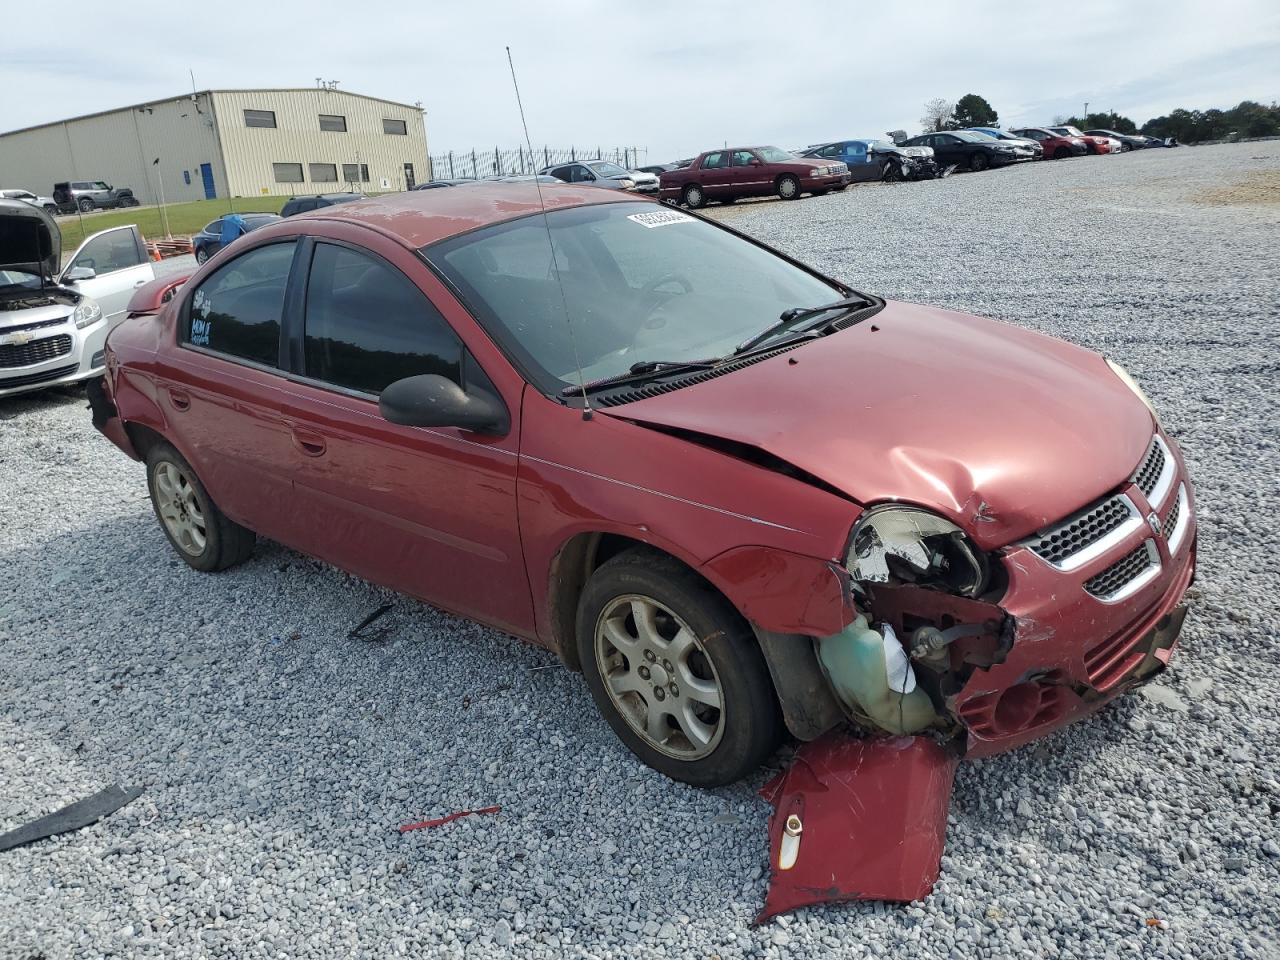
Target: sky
x=672 y=78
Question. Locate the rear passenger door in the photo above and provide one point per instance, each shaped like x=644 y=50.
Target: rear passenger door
x=430 y=512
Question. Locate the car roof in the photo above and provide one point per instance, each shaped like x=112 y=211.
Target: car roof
x=416 y=218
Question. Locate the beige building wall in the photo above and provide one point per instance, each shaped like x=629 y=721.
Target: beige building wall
x=119 y=146
x=252 y=152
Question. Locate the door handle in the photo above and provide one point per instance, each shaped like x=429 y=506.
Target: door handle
x=179 y=399
x=311 y=444
x=140 y=283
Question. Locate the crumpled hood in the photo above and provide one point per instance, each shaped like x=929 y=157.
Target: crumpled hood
x=999 y=429
x=30 y=241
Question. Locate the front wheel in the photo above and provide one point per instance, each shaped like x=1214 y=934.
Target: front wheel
x=788 y=187
x=201 y=255
x=694 y=197
x=51 y=209
x=675 y=670
x=201 y=533
x=979 y=162
x=1061 y=153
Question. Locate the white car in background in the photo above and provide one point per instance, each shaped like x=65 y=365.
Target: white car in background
x=47 y=203
x=54 y=320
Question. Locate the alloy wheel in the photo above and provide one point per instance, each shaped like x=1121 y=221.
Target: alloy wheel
x=659 y=678
x=179 y=508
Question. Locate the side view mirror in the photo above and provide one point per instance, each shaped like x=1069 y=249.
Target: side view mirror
x=430 y=400
x=80 y=273
x=757 y=162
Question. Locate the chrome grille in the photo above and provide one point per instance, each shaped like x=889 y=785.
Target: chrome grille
x=1085 y=529
x=1126 y=575
x=1171 y=518
x=1148 y=475
x=37 y=351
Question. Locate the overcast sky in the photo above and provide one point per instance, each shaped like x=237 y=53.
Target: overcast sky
x=675 y=77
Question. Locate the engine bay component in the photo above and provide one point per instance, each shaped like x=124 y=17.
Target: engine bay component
x=874 y=815
x=871 y=675
x=912 y=546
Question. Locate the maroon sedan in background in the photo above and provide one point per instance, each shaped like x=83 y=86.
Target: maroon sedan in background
x=726 y=175
x=1056 y=146
x=704 y=474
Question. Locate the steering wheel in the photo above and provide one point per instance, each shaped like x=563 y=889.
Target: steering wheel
x=651 y=296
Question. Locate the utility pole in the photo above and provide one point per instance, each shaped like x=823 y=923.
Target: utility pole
x=1085 y=118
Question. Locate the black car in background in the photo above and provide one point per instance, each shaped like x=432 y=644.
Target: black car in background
x=972 y=151
x=437 y=184
x=303 y=204
x=209 y=240
x=1128 y=141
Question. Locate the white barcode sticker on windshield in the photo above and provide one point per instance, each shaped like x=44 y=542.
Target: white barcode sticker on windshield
x=660 y=218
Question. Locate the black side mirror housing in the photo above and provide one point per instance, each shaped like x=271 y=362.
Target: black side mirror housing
x=430 y=400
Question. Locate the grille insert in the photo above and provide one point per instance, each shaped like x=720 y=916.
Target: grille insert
x=1060 y=545
x=1125 y=575
x=37 y=351
x=1148 y=476
x=7 y=383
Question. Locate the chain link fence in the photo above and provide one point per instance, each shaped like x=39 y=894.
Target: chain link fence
x=497 y=162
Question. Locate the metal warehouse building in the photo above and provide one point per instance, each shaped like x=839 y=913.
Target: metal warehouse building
x=219 y=143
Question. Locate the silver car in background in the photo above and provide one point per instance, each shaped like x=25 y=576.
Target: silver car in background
x=46 y=203
x=54 y=320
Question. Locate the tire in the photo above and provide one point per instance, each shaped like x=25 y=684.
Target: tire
x=51 y=209
x=979 y=162
x=655 y=606
x=128 y=201
x=1125 y=148
x=202 y=255
x=201 y=534
x=841 y=188
x=694 y=196
x=788 y=187
x=85 y=204
x=1061 y=153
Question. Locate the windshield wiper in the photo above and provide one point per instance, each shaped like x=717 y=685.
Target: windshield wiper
x=638 y=371
x=795 y=314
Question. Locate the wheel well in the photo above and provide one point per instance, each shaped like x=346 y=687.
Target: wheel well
x=143 y=438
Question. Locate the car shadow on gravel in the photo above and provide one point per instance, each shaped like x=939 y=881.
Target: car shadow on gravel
x=21 y=404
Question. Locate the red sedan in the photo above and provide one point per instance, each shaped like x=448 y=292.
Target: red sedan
x=702 y=473
x=1094 y=144
x=727 y=175
x=1056 y=146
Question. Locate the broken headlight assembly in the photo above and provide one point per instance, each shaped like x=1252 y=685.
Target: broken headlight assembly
x=907 y=545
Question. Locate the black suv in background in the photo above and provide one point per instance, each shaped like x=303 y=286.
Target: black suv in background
x=87 y=195
x=303 y=204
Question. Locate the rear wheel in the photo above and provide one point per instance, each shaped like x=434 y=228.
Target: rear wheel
x=1125 y=148
x=85 y=204
x=675 y=670
x=788 y=187
x=51 y=209
x=201 y=533
x=694 y=196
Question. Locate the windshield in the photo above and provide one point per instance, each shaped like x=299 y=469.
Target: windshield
x=775 y=155
x=607 y=169
x=968 y=137
x=641 y=282
x=19 y=279
x=1069 y=131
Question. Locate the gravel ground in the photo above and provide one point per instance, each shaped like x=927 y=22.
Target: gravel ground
x=278 y=755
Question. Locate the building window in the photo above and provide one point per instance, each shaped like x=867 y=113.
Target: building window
x=323 y=172
x=397 y=127
x=355 y=172
x=331 y=121
x=287 y=172
x=259 y=118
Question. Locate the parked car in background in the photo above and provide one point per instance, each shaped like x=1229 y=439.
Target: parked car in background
x=1158 y=142
x=971 y=151
x=1055 y=145
x=726 y=175
x=437 y=184
x=658 y=169
x=48 y=204
x=295 y=205
x=213 y=237
x=1095 y=145
x=1127 y=141
x=54 y=320
x=719 y=568
x=86 y=195
x=874 y=159
x=603 y=173
x=997 y=134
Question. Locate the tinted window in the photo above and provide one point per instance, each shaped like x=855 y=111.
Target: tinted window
x=741 y=158
x=237 y=310
x=368 y=326
x=713 y=160
x=214 y=226
x=115 y=250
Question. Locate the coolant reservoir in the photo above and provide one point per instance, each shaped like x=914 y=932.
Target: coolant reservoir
x=870 y=672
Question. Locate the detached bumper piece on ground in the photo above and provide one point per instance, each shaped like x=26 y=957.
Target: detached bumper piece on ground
x=74 y=816
x=857 y=820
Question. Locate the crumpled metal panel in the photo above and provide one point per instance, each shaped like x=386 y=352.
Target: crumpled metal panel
x=872 y=816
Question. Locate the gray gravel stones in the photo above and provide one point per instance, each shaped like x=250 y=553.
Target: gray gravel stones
x=279 y=757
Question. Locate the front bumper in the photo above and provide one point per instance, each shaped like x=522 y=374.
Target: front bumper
x=827 y=182
x=54 y=355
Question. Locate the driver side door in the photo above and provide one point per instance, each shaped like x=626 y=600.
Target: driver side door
x=117 y=264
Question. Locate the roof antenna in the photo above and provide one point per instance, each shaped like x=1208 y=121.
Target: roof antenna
x=555 y=263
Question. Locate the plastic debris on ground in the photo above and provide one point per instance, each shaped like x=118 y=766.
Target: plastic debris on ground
x=74 y=816
x=441 y=821
x=857 y=820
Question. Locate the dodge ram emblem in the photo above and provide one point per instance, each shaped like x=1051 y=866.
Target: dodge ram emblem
x=1154 y=521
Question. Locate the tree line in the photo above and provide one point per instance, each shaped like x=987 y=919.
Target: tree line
x=1247 y=119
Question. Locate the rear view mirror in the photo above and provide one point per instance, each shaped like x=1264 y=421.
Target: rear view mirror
x=430 y=400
